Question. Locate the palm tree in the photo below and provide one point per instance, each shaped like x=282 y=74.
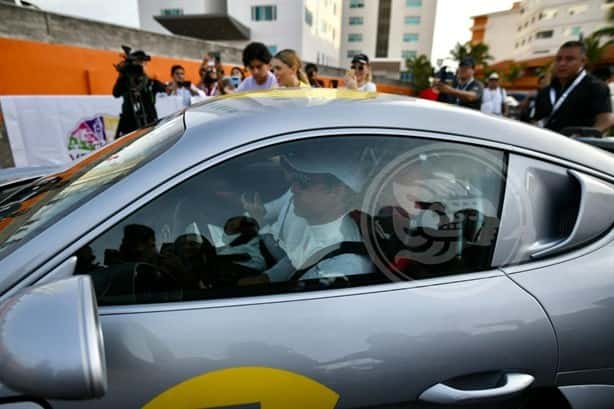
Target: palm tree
x=514 y=72
x=479 y=53
x=607 y=32
x=594 y=49
x=459 y=51
x=420 y=69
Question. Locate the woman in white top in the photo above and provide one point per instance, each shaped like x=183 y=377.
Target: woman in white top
x=287 y=67
x=359 y=77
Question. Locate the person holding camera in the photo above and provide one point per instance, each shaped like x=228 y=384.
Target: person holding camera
x=179 y=86
x=138 y=92
x=464 y=90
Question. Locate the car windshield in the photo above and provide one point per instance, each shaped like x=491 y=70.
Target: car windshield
x=34 y=207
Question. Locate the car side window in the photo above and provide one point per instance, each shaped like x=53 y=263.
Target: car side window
x=306 y=215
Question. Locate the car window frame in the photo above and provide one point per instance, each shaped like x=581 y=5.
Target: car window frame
x=55 y=260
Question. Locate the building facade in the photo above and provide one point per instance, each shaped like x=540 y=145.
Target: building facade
x=539 y=27
x=311 y=27
x=327 y=32
x=388 y=31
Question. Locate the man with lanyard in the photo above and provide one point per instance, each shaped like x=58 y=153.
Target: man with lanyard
x=574 y=97
x=465 y=91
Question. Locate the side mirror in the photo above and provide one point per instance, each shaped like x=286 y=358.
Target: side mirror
x=51 y=342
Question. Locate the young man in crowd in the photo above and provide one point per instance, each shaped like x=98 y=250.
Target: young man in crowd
x=179 y=86
x=257 y=59
x=574 y=97
x=493 y=99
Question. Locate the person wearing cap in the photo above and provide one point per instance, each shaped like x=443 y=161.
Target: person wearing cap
x=465 y=91
x=138 y=91
x=310 y=223
x=493 y=99
x=359 y=76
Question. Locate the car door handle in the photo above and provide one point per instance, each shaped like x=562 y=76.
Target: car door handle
x=447 y=395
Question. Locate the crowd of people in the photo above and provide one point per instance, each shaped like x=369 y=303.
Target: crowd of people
x=282 y=70
x=568 y=98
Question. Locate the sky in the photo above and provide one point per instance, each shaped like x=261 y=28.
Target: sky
x=452 y=22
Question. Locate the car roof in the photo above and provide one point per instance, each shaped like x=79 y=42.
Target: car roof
x=244 y=117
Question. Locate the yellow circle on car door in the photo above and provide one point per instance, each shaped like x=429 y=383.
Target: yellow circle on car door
x=271 y=388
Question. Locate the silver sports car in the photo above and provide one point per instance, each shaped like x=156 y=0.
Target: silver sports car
x=319 y=249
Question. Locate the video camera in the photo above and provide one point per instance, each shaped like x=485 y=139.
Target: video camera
x=446 y=76
x=184 y=84
x=131 y=65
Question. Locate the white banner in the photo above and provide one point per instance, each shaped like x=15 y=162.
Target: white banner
x=53 y=130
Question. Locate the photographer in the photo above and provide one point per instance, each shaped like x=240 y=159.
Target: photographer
x=464 y=90
x=138 y=92
x=179 y=86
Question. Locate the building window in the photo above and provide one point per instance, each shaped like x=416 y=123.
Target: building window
x=264 y=13
x=548 y=14
x=412 y=20
x=575 y=10
x=413 y=3
x=356 y=21
x=171 y=12
x=308 y=17
x=272 y=49
x=406 y=76
x=354 y=37
x=544 y=34
x=357 y=4
x=352 y=53
x=410 y=37
x=573 y=31
x=407 y=54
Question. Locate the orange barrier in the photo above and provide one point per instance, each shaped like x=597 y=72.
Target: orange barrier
x=36 y=68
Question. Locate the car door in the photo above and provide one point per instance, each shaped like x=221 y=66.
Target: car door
x=404 y=309
x=571 y=271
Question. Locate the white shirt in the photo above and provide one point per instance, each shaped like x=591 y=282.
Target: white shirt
x=250 y=83
x=492 y=100
x=186 y=94
x=368 y=87
x=301 y=241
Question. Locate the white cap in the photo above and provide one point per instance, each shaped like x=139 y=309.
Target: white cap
x=333 y=158
x=493 y=76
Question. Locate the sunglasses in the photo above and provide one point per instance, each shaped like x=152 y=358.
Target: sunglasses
x=305 y=181
x=358 y=67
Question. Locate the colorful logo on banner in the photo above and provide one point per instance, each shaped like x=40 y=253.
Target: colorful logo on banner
x=91 y=134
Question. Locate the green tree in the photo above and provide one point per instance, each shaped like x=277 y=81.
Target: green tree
x=479 y=52
x=595 y=49
x=514 y=72
x=420 y=69
x=607 y=32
